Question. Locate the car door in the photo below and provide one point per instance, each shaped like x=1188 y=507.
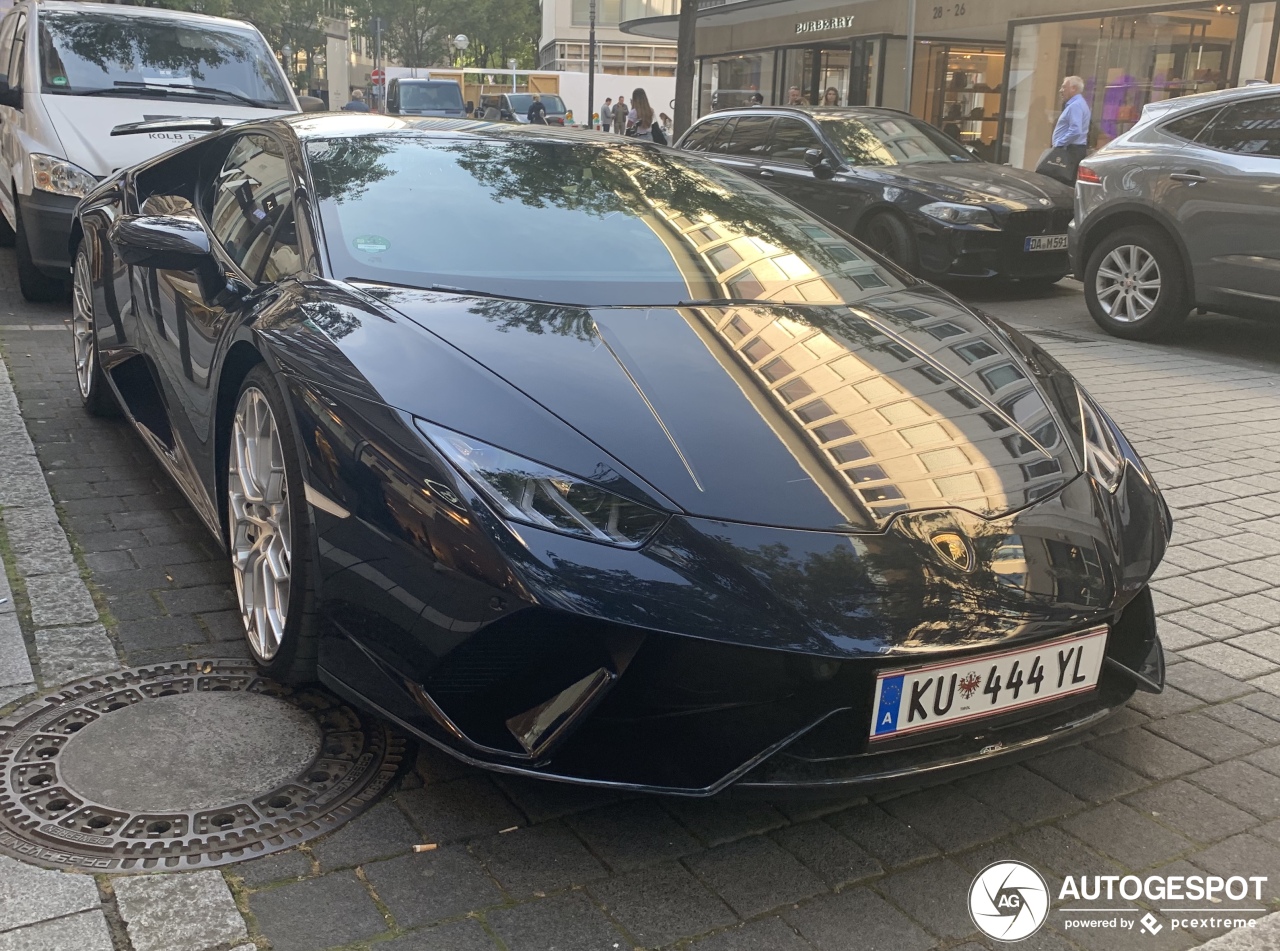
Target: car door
x=1230 y=218
x=742 y=146
x=249 y=210
x=785 y=170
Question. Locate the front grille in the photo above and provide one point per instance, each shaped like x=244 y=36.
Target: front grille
x=1048 y=221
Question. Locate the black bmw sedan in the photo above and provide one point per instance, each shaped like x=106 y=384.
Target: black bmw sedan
x=591 y=460
x=898 y=184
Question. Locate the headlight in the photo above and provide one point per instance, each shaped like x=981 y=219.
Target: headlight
x=957 y=214
x=1103 y=457
x=529 y=492
x=59 y=176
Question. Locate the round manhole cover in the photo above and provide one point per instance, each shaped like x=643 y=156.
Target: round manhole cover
x=183 y=766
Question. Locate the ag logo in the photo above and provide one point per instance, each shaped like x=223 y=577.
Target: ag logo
x=1008 y=901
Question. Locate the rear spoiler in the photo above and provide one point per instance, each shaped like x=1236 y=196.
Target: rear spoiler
x=176 y=124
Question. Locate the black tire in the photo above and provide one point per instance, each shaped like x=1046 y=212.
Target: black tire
x=91 y=382
x=887 y=234
x=36 y=286
x=1139 y=255
x=294 y=660
x=6 y=230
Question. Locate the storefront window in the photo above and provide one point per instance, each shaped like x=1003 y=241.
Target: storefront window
x=731 y=81
x=1125 y=62
x=961 y=90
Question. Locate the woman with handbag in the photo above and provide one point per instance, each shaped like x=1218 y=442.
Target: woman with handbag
x=642 y=121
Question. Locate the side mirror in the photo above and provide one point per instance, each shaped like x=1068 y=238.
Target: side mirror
x=818 y=161
x=170 y=242
x=9 y=96
x=311 y=103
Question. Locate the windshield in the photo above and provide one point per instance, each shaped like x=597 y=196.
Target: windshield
x=891 y=140
x=138 y=56
x=521 y=102
x=632 y=225
x=433 y=96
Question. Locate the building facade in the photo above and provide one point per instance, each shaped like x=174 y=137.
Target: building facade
x=985 y=71
x=565 y=43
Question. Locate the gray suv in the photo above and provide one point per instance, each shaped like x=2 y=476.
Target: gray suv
x=1182 y=211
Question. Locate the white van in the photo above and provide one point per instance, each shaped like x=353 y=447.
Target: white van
x=72 y=72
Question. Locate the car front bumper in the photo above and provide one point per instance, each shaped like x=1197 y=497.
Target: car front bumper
x=47 y=219
x=950 y=253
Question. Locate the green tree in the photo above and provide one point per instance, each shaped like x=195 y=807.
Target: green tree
x=499 y=30
x=417 y=32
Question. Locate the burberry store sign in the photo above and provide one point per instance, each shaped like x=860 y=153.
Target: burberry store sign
x=819 y=26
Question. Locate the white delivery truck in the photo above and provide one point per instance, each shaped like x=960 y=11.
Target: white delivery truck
x=70 y=73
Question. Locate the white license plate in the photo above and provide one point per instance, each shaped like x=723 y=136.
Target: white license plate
x=921 y=698
x=1046 y=242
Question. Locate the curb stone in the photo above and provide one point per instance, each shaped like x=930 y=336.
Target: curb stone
x=70 y=643
x=1263 y=936
x=63 y=615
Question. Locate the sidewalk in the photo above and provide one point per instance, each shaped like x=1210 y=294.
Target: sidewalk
x=110 y=568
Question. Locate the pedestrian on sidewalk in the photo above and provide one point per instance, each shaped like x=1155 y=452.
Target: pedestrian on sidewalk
x=537 y=111
x=1070 y=135
x=640 y=119
x=357 y=103
x=620 y=116
x=606 y=114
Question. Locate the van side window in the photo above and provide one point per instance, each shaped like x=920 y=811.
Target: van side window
x=6 y=44
x=15 y=57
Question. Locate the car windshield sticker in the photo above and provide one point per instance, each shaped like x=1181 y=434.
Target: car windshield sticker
x=371 y=243
x=59 y=80
x=168 y=77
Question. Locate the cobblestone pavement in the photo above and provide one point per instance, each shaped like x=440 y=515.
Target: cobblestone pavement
x=1184 y=783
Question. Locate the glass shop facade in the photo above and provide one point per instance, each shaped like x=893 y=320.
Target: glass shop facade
x=987 y=72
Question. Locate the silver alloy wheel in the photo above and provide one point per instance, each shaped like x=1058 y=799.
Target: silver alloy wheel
x=82 y=323
x=261 y=532
x=1128 y=283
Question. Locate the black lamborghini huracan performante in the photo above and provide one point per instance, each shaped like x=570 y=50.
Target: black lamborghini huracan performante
x=594 y=461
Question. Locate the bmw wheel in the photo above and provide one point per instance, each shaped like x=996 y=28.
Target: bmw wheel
x=94 y=390
x=268 y=533
x=891 y=236
x=1134 y=284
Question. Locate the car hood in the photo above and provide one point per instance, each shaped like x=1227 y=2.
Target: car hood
x=979 y=182
x=84 y=123
x=810 y=417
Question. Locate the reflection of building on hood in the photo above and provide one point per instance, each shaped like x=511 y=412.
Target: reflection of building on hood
x=884 y=425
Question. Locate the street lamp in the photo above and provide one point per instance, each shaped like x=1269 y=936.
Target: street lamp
x=460 y=42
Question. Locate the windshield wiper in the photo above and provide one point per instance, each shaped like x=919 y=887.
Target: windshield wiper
x=188 y=89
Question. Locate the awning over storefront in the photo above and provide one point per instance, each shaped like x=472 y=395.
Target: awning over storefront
x=726 y=13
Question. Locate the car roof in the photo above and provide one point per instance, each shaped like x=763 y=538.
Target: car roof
x=849 y=112
x=337 y=125
x=123 y=10
x=1216 y=97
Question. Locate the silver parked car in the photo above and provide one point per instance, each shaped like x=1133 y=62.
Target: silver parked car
x=1183 y=211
